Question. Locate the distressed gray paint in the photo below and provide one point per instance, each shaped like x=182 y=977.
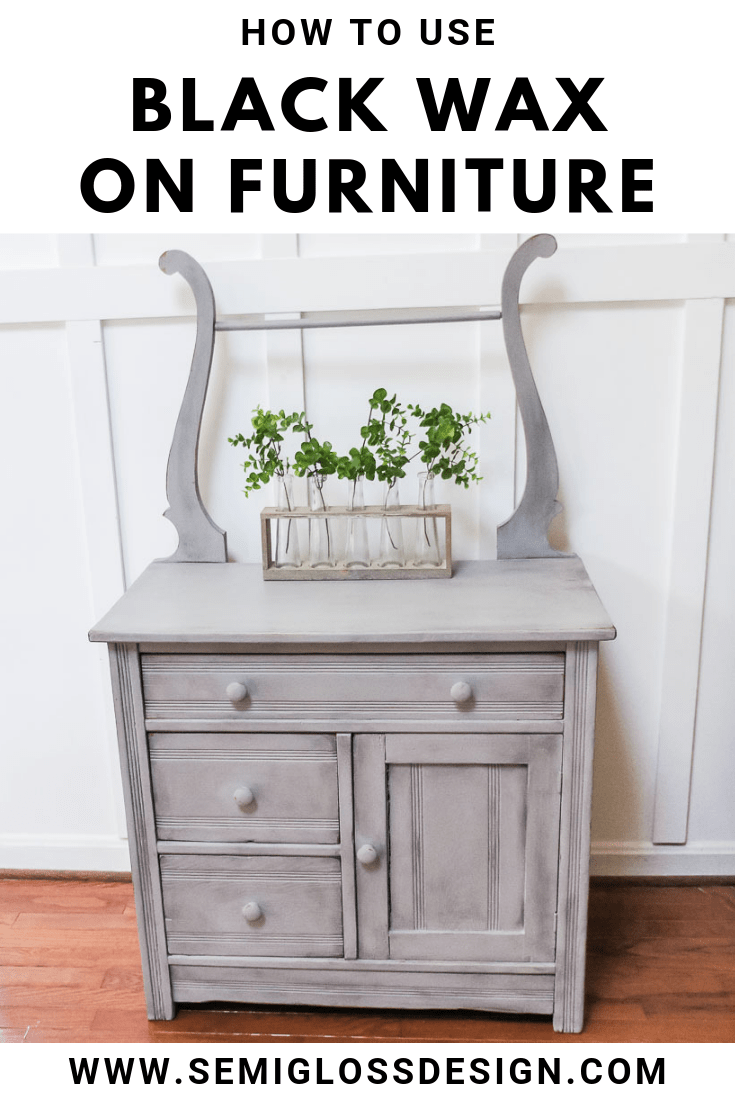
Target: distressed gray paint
x=442 y=879
x=253 y=906
x=188 y=692
x=479 y=681
x=128 y=701
x=352 y=986
x=345 y=319
x=347 y=844
x=309 y=691
x=527 y=601
x=523 y=535
x=200 y=540
x=346 y=911
x=293 y=780
x=574 y=838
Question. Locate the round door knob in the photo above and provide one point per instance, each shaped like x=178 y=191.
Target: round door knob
x=252 y=911
x=461 y=692
x=244 y=797
x=236 y=691
x=367 y=854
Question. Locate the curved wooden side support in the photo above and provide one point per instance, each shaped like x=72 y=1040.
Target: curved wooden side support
x=200 y=540
x=523 y=536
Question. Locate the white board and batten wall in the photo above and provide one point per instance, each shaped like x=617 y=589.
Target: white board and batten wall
x=632 y=340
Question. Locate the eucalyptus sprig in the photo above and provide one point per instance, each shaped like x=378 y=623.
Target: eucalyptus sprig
x=385 y=439
x=265 y=459
x=392 y=448
x=383 y=453
x=314 y=458
x=360 y=462
x=443 y=450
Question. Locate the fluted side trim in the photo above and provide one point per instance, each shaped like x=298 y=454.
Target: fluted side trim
x=124 y=661
x=493 y=874
x=417 y=847
x=575 y=837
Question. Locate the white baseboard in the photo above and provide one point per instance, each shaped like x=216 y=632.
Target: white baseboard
x=108 y=853
x=64 y=852
x=645 y=859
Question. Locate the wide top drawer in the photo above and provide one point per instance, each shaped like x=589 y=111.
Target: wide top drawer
x=350 y=692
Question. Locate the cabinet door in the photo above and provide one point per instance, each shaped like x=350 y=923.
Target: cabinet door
x=466 y=831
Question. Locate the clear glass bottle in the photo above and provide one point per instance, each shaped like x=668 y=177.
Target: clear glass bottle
x=321 y=543
x=286 y=551
x=426 y=550
x=357 y=551
x=391 y=530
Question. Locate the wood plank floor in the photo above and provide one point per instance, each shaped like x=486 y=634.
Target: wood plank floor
x=661 y=967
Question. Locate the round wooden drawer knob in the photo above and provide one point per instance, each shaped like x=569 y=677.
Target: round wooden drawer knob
x=244 y=797
x=461 y=692
x=252 y=912
x=367 y=854
x=236 y=691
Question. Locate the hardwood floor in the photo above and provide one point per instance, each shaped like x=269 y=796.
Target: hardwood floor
x=661 y=967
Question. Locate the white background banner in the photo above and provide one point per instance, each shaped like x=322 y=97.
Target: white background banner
x=367 y=1071
x=539 y=81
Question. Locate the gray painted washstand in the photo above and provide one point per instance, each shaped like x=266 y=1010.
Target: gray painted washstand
x=337 y=801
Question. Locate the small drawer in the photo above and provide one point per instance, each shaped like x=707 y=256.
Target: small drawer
x=366 y=692
x=245 y=788
x=253 y=906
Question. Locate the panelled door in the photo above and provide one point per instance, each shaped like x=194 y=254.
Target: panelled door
x=457 y=846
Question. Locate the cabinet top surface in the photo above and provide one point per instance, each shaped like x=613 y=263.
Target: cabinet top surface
x=514 y=600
